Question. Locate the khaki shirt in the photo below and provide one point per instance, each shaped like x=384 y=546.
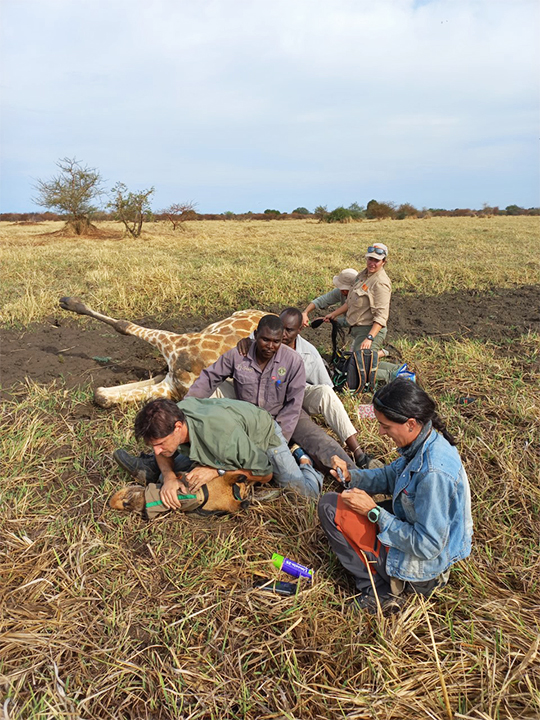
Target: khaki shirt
x=369 y=299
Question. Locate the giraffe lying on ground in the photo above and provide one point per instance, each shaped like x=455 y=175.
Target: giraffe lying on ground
x=186 y=354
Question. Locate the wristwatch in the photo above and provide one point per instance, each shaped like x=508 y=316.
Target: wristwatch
x=221 y=472
x=373 y=514
x=370 y=337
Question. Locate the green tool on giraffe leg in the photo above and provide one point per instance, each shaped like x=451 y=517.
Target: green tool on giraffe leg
x=180 y=497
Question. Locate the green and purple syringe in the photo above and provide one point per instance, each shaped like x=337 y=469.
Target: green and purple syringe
x=291 y=567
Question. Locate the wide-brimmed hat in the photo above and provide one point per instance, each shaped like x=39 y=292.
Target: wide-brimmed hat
x=374 y=251
x=345 y=279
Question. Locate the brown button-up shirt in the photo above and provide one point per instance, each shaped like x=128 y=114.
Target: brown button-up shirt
x=369 y=299
x=279 y=388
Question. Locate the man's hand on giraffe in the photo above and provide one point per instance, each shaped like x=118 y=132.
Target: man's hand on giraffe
x=200 y=476
x=169 y=492
x=243 y=345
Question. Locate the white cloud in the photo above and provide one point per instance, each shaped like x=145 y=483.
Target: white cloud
x=328 y=94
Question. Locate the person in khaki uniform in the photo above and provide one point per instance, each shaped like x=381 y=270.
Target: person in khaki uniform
x=342 y=285
x=368 y=303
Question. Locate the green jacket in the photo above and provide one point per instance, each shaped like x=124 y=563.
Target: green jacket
x=228 y=434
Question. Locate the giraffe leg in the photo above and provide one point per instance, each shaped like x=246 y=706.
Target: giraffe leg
x=168 y=343
x=76 y=305
x=136 y=392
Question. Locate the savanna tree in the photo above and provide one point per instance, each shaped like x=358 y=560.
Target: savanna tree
x=178 y=213
x=406 y=210
x=320 y=212
x=378 y=211
x=72 y=192
x=131 y=208
x=358 y=212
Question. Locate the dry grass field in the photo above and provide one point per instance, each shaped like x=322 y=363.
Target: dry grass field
x=106 y=616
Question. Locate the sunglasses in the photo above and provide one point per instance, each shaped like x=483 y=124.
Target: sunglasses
x=381 y=407
x=376 y=250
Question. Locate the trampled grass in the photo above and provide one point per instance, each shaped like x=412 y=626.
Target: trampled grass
x=217 y=267
x=106 y=616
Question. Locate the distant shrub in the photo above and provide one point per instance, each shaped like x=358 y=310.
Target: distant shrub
x=339 y=215
x=320 y=212
x=406 y=210
x=358 y=212
x=515 y=210
x=300 y=211
x=178 y=213
x=132 y=209
x=378 y=211
x=272 y=212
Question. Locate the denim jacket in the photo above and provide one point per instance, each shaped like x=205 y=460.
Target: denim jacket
x=431 y=525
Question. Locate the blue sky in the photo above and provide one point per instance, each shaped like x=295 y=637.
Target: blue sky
x=246 y=105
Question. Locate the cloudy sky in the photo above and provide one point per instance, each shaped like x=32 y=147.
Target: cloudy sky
x=248 y=104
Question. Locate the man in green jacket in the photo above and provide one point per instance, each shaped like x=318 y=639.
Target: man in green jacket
x=215 y=434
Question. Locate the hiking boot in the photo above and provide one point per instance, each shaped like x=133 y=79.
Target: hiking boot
x=143 y=468
x=367 y=601
x=367 y=462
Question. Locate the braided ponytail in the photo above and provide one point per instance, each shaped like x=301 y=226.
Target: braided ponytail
x=438 y=424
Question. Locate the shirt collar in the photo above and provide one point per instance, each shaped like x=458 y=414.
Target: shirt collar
x=409 y=451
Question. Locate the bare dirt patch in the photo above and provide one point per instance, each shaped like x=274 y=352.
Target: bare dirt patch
x=77 y=354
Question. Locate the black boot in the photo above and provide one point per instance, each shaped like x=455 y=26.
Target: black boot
x=366 y=462
x=144 y=468
x=361 y=459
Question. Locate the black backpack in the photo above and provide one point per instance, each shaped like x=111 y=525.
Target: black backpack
x=356 y=371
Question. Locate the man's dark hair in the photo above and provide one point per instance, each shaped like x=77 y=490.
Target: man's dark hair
x=270 y=322
x=157 y=419
x=403 y=399
x=292 y=312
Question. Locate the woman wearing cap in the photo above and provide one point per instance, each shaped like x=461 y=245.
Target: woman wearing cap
x=409 y=544
x=367 y=305
x=342 y=284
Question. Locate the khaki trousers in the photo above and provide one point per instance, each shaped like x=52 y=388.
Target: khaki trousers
x=322 y=400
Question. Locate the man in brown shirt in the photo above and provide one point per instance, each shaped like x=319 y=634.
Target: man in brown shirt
x=271 y=376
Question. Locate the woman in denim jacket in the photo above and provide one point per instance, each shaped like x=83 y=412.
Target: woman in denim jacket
x=407 y=544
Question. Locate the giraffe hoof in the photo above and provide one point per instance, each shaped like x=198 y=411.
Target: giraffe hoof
x=129 y=498
x=73 y=304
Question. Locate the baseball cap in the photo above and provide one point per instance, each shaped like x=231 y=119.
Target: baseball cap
x=378 y=251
